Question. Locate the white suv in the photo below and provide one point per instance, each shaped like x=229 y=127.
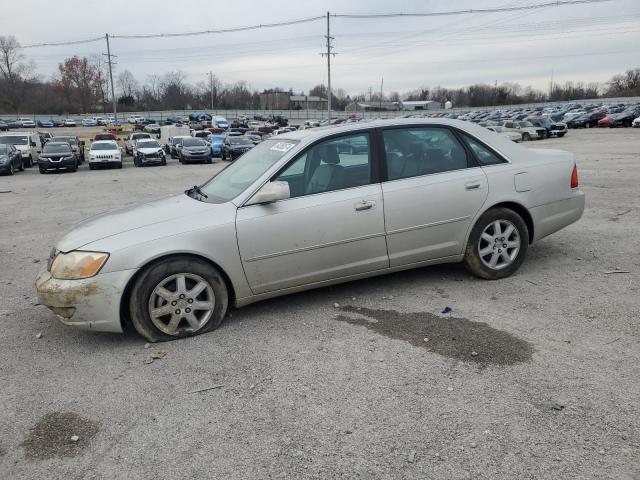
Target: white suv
x=27 y=143
x=105 y=153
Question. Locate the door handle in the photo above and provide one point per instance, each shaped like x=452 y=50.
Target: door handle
x=364 y=205
x=472 y=185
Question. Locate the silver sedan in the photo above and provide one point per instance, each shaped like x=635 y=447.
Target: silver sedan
x=308 y=209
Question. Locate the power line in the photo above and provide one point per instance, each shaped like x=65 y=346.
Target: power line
x=470 y=11
x=557 y=3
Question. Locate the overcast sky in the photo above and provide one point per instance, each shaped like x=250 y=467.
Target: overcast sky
x=585 y=42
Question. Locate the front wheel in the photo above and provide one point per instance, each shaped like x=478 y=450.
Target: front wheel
x=30 y=162
x=526 y=137
x=178 y=297
x=12 y=169
x=497 y=245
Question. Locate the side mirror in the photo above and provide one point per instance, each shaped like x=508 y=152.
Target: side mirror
x=271 y=192
x=33 y=144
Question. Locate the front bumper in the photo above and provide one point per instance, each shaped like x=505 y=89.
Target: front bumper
x=49 y=165
x=196 y=158
x=150 y=160
x=90 y=303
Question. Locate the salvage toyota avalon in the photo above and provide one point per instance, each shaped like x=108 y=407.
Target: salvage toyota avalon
x=308 y=209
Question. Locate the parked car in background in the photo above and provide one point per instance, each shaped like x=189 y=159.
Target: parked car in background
x=255 y=139
x=626 y=117
x=26 y=123
x=133 y=119
x=58 y=156
x=526 y=129
x=149 y=152
x=220 y=122
x=69 y=122
x=636 y=123
x=176 y=144
x=45 y=123
x=588 y=120
x=3 y=126
x=10 y=159
x=558 y=129
x=235 y=147
x=27 y=143
x=44 y=137
x=105 y=136
x=194 y=150
x=89 y=122
x=605 y=122
x=508 y=134
x=293 y=214
x=176 y=120
x=105 y=153
x=216 y=142
x=200 y=134
x=77 y=145
x=152 y=128
x=102 y=120
x=59 y=122
x=130 y=142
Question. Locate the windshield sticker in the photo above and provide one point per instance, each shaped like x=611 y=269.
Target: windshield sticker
x=283 y=146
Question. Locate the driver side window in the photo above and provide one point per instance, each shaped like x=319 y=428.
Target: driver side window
x=335 y=164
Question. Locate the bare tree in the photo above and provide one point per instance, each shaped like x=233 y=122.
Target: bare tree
x=78 y=81
x=14 y=72
x=127 y=84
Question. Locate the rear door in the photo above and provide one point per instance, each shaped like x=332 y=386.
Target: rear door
x=331 y=227
x=432 y=192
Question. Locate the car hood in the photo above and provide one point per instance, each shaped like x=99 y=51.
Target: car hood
x=22 y=147
x=147 y=150
x=131 y=218
x=195 y=149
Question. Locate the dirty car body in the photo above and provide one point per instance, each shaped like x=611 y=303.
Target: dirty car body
x=308 y=209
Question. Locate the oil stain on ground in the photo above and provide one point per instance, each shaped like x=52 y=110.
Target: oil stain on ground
x=51 y=436
x=451 y=337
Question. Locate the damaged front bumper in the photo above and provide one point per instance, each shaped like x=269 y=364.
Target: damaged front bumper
x=90 y=303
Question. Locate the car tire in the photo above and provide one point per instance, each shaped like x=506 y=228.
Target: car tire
x=29 y=162
x=560 y=135
x=92 y=166
x=209 y=161
x=159 y=285
x=75 y=167
x=42 y=170
x=485 y=247
x=526 y=137
x=163 y=162
x=12 y=169
x=21 y=167
x=119 y=165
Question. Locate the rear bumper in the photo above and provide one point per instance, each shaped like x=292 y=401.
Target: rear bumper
x=551 y=217
x=90 y=303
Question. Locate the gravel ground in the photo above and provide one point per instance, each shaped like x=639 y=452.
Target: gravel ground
x=306 y=388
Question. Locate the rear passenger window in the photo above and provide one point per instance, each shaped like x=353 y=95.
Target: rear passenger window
x=412 y=152
x=482 y=153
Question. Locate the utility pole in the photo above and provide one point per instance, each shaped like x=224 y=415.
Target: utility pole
x=381 y=84
x=211 y=87
x=113 y=90
x=328 y=53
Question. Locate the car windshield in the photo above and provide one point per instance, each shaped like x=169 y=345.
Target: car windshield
x=104 y=146
x=138 y=136
x=15 y=140
x=217 y=138
x=151 y=144
x=104 y=137
x=57 y=148
x=188 y=142
x=234 y=179
x=239 y=141
x=177 y=140
x=70 y=141
x=526 y=124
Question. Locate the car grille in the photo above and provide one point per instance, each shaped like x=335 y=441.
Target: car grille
x=242 y=150
x=104 y=157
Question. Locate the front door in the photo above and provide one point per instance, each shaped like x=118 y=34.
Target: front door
x=432 y=193
x=331 y=227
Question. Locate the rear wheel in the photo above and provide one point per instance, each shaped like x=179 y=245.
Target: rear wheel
x=526 y=137
x=178 y=297
x=497 y=245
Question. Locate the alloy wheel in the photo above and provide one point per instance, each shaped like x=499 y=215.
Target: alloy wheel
x=499 y=244
x=183 y=302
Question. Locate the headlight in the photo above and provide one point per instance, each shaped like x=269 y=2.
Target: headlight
x=3 y=159
x=77 y=264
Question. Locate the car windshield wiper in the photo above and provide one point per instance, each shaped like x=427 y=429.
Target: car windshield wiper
x=196 y=189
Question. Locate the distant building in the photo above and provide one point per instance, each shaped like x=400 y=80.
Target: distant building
x=373 y=106
x=420 y=105
x=277 y=100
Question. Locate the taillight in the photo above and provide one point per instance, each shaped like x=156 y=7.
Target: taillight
x=574 y=177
